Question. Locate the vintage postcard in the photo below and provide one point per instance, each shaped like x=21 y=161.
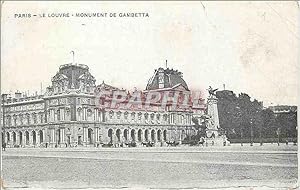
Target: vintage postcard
x=149 y=95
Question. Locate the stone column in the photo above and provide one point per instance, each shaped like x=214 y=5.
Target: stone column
x=142 y=136
x=146 y=135
x=136 y=135
x=84 y=114
x=62 y=114
x=52 y=117
x=62 y=135
x=96 y=115
x=53 y=139
x=98 y=134
x=121 y=136
x=37 y=140
x=85 y=135
x=23 y=138
x=44 y=135
x=30 y=138
x=18 y=138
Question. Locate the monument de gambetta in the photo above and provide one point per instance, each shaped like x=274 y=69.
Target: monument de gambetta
x=75 y=111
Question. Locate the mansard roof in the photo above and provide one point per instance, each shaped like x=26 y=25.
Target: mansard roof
x=171 y=78
x=104 y=86
x=73 y=74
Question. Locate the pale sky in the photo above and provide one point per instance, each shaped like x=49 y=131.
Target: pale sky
x=250 y=47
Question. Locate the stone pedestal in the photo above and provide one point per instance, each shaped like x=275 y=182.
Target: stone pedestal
x=213 y=122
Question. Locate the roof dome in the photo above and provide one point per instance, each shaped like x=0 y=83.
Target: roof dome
x=166 y=78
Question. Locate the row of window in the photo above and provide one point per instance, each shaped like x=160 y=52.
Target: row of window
x=25 y=119
x=25 y=107
x=146 y=116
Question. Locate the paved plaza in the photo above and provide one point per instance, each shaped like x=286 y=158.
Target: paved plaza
x=232 y=167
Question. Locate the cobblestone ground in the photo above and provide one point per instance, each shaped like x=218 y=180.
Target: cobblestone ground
x=234 y=167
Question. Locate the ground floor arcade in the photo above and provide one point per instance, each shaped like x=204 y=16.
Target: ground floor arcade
x=91 y=134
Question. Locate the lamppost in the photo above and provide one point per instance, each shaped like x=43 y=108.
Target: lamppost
x=278 y=135
x=251 y=132
x=238 y=117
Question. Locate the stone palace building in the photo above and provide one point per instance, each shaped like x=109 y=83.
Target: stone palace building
x=72 y=113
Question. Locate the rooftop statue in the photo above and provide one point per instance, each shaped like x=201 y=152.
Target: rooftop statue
x=212 y=92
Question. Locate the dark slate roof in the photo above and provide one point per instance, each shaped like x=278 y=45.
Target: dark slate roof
x=171 y=78
x=73 y=74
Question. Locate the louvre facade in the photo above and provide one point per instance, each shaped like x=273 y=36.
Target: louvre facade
x=74 y=112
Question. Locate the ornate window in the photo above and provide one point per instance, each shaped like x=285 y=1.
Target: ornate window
x=152 y=116
x=89 y=112
x=34 y=118
x=126 y=115
x=139 y=115
x=119 y=114
x=58 y=115
x=165 y=117
x=9 y=120
x=28 y=119
x=158 y=116
x=15 y=120
x=41 y=118
x=146 y=116
x=21 y=119
x=79 y=112
x=133 y=115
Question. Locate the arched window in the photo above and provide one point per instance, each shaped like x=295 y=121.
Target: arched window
x=153 y=135
x=125 y=134
x=28 y=119
x=21 y=119
x=118 y=134
x=165 y=135
x=132 y=134
x=140 y=135
x=90 y=136
x=58 y=115
x=15 y=120
x=109 y=134
x=79 y=114
x=26 y=137
x=159 y=135
x=34 y=118
x=146 y=135
x=89 y=112
x=9 y=120
x=41 y=118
